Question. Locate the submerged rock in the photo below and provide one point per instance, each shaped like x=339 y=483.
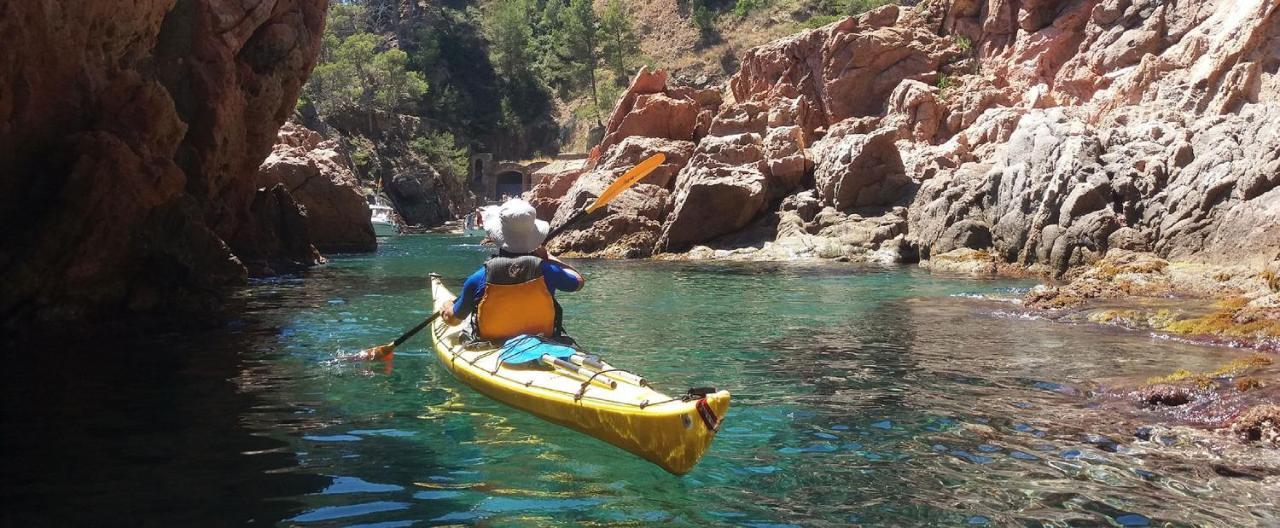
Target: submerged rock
x=1259 y=424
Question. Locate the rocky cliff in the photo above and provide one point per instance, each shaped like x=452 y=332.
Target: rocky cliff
x=318 y=174
x=1040 y=132
x=382 y=145
x=130 y=137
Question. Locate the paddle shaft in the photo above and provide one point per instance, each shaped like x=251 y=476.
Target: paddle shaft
x=572 y=219
x=400 y=340
x=594 y=363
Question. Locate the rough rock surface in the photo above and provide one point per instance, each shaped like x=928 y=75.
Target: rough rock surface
x=650 y=109
x=280 y=239
x=130 y=136
x=650 y=118
x=381 y=145
x=846 y=69
x=318 y=176
x=1042 y=133
x=1161 y=140
x=860 y=170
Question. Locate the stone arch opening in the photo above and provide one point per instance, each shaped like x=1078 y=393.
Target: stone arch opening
x=477 y=172
x=509 y=183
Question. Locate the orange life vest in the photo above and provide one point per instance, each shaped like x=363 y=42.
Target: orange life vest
x=515 y=301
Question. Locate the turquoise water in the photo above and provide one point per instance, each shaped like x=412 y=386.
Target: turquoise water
x=861 y=395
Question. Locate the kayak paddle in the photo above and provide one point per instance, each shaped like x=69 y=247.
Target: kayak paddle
x=624 y=182
x=384 y=351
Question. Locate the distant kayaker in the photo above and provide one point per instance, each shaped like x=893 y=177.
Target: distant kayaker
x=513 y=293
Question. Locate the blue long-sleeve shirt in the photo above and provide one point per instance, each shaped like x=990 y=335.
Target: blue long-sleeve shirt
x=556 y=275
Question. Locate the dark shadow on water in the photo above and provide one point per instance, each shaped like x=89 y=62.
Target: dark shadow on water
x=144 y=431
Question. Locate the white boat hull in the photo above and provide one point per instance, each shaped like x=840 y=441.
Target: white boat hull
x=385 y=229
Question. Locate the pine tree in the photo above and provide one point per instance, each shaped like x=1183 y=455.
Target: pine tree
x=618 y=41
x=506 y=26
x=580 y=45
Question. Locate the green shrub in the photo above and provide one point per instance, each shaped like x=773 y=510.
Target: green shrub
x=857 y=7
x=963 y=42
x=945 y=83
x=703 y=18
x=442 y=152
x=742 y=7
x=362 y=158
x=818 y=21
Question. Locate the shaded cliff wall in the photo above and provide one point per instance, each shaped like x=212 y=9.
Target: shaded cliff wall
x=130 y=137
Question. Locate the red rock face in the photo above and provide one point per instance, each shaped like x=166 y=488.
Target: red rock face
x=649 y=109
x=130 y=134
x=843 y=70
x=1043 y=132
x=318 y=175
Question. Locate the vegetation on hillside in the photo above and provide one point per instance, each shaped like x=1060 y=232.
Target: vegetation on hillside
x=433 y=62
x=488 y=74
x=497 y=74
x=564 y=45
x=810 y=13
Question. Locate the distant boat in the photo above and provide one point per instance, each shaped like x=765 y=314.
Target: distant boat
x=383 y=219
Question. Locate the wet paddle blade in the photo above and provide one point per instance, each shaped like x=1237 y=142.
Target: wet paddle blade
x=627 y=180
x=385 y=351
x=378 y=352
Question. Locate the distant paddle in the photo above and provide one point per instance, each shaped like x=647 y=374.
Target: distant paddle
x=624 y=182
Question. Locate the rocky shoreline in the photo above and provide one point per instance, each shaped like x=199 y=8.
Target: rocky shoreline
x=1043 y=134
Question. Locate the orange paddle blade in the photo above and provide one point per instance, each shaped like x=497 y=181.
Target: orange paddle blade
x=627 y=180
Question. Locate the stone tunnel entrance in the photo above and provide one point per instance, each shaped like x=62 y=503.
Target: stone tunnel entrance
x=509 y=183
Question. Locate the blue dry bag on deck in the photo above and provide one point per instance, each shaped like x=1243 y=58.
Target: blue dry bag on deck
x=525 y=349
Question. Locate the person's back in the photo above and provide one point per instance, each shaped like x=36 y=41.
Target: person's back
x=514 y=292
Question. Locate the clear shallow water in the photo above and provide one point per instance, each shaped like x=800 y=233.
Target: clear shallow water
x=860 y=396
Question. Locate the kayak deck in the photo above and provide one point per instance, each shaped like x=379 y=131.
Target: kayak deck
x=672 y=432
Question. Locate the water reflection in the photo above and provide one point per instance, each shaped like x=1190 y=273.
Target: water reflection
x=141 y=432
x=861 y=396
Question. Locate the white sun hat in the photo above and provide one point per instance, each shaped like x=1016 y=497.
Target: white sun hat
x=514 y=226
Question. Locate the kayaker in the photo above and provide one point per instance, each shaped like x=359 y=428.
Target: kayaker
x=513 y=293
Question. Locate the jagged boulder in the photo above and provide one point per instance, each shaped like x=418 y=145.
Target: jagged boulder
x=914 y=111
x=320 y=180
x=422 y=196
x=788 y=160
x=278 y=239
x=627 y=228
x=722 y=188
x=649 y=109
x=843 y=70
x=555 y=182
x=860 y=170
x=632 y=150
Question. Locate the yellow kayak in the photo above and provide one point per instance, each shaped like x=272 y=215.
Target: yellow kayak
x=587 y=395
